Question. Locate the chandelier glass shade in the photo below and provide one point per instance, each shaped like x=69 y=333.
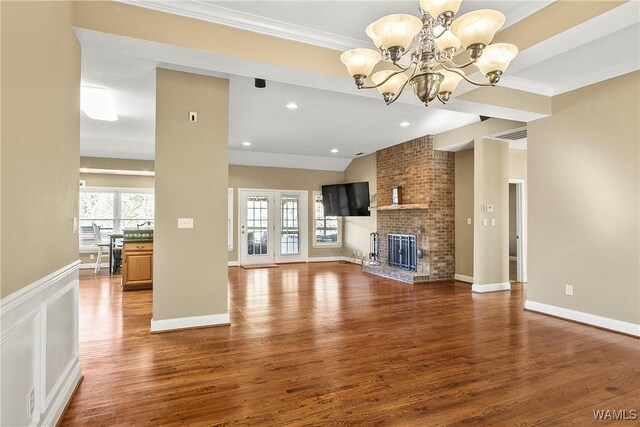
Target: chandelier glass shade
x=429 y=46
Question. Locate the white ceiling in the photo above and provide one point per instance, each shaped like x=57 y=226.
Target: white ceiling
x=331 y=113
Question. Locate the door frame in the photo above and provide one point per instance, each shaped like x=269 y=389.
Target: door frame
x=274 y=226
x=521 y=229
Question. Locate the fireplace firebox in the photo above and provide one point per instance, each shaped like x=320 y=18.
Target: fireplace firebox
x=402 y=251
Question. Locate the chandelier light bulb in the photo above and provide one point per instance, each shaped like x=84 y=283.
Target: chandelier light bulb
x=397 y=30
x=477 y=27
x=392 y=85
x=496 y=57
x=447 y=40
x=373 y=36
x=438 y=7
x=428 y=45
x=450 y=81
x=360 y=62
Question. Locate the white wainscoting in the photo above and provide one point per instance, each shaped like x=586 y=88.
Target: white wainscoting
x=39 y=345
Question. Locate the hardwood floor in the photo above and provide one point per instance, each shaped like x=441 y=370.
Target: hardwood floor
x=325 y=344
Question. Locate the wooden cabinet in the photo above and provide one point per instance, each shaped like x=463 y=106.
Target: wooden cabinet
x=137 y=265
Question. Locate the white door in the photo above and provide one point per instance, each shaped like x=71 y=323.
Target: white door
x=273 y=226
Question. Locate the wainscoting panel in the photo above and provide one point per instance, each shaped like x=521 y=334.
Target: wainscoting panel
x=39 y=345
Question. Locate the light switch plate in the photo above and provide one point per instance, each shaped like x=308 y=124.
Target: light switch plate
x=568 y=290
x=185 y=222
x=468 y=221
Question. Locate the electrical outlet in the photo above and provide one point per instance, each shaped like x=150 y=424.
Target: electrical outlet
x=32 y=403
x=193 y=116
x=92 y=256
x=568 y=290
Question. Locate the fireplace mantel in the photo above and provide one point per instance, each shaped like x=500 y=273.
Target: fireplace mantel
x=405 y=207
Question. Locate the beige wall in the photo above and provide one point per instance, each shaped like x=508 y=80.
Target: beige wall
x=105 y=180
x=190 y=265
x=518 y=164
x=281 y=179
x=40 y=140
x=357 y=230
x=473 y=132
x=464 y=210
x=491 y=186
x=584 y=194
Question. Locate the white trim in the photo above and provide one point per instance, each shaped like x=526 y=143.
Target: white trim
x=463 y=278
x=30 y=304
x=285 y=160
x=116 y=172
x=66 y=385
x=233 y=263
x=249 y=22
x=216 y=14
x=523 y=10
x=582 y=317
x=598 y=76
x=189 y=322
x=491 y=287
x=12 y=300
x=327 y=258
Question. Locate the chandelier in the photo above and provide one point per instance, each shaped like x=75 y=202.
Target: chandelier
x=431 y=44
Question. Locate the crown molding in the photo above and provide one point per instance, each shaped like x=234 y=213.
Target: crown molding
x=282 y=160
x=527 y=85
x=598 y=76
x=245 y=21
x=204 y=11
x=525 y=9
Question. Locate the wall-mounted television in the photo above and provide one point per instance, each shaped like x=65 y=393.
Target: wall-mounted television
x=351 y=199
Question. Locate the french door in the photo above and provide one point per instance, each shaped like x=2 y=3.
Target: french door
x=273 y=226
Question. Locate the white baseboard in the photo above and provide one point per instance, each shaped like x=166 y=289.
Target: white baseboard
x=69 y=384
x=327 y=259
x=492 y=287
x=463 y=278
x=233 y=263
x=31 y=358
x=582 y=317
x=189 y=322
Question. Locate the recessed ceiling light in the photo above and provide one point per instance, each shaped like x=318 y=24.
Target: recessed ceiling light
x=404 y=124
x=246 y=143
x=334 y=150
x=292 y=105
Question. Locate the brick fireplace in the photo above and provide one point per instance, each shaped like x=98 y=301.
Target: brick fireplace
x=427 y=178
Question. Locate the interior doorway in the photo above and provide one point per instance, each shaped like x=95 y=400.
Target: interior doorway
x=517 y=253
x=272 y=226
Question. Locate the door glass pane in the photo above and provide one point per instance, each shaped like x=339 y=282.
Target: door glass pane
x=289 y=225
x=257 y=225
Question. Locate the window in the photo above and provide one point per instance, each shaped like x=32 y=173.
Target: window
x=289 y=225
x=328 y=229
x=113 y=210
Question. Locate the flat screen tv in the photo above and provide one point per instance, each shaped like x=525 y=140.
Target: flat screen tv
x=351 y=199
